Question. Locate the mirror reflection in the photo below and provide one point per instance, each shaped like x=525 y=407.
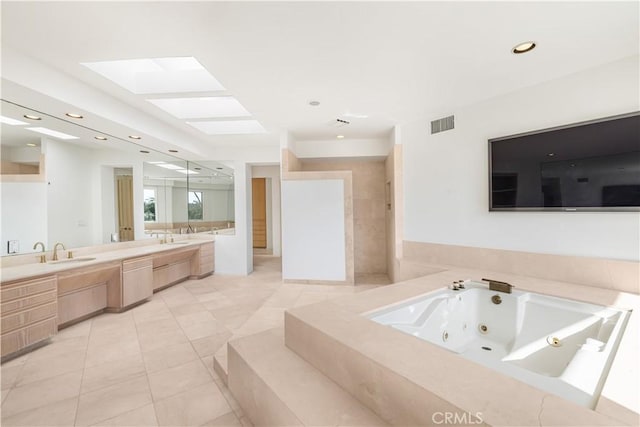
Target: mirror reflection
x=184 y=197
x=63 y=182
x=210 y=198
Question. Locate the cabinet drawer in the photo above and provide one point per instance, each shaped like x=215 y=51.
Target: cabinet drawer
x=134 y=264
x=173 y=256
x=77 y=304
x=26 y=288
x=206 y=264
x=21 y=338
x=206 y=250
x=27 y=302
x=27 y=317
x=137 y=284
x=168 y=274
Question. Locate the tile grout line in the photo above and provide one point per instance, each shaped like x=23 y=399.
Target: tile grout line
x=144 y=364
x=86 y=350
x=214 y=376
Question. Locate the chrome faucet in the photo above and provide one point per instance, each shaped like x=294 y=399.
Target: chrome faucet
x=496 y=285
x=55 y=250
x=43 y=257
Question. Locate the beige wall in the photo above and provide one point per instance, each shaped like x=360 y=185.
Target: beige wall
x=370 y=237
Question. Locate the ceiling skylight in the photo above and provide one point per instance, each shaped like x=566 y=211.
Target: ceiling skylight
x=157 y=75
x=200 y=108
x=53 y=133
x=10 y=121
x=228 y=127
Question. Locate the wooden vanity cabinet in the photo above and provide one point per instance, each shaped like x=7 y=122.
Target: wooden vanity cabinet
x=137 y=280
x=203 y=264
x=172 y=267
x=29 y=312
x=88 y=290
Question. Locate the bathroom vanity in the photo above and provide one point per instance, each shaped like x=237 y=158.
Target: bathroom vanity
x=38 y=299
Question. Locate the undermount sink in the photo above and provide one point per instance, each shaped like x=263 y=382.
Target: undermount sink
x=81 y=259
x=178 y=243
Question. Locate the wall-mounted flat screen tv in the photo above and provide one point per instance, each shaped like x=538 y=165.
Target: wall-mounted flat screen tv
x=589 y=166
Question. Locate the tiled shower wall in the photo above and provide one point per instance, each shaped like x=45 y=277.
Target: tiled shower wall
x=370 y=241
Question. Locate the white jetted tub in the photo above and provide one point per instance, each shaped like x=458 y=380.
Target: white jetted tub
x=561 y=346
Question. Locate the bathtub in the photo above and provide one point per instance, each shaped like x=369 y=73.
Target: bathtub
x=558 y=345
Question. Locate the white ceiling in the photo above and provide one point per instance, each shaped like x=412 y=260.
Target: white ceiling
x=395 y=62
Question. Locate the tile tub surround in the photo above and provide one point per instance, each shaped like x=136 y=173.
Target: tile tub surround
x=406 y=385
x=619 y=275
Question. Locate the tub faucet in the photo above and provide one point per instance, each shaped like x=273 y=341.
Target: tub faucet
x=496 y=285
x=55 y=250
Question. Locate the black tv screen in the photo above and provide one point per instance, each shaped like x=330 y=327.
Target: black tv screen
x=589 y=166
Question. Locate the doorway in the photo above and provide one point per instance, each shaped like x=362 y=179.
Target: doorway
x=124 y=201
x=259 y=203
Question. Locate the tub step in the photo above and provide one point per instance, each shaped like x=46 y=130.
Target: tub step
x=274 y=386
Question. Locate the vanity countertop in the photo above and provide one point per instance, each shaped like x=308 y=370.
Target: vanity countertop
x=85 y=258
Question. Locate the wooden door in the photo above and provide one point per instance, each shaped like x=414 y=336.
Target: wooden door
x=259 y=192
x=125 y=207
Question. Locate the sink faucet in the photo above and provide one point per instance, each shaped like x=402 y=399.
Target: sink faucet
x=55 y=250
x=496 y=285
x=43 y=257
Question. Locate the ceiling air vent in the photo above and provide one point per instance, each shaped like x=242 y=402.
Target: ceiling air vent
x=441 y=125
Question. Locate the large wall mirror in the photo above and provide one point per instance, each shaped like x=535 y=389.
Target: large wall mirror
x=63 y=182
x=184 y=197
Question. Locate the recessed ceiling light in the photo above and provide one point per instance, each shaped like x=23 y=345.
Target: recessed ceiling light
x=135 y=137
x=170 y=166
x=144 y=151
x=157 y=75
x=340 y=136
x=31 y=144
x=74 y=115
x=200 y=108
x=314 y=103
x=523 y=47
x=228 y=127
x=219 y=169
x=101 y=138
x=551 y=154
x=198 y=169
x=12 y=122
x=31 y=117
x=53 y=133
x=187 y=172
x=173 y=151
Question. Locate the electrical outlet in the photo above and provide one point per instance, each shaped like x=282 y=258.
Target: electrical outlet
x=13 y=246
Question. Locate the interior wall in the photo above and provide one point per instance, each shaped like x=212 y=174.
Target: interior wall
x=369 y=223
x=234 y=253
x=446 y=174
x=24 y=203
x=70 y=221
x=313 y=234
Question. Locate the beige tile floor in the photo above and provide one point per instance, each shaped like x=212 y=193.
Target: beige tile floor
x=153 y=365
